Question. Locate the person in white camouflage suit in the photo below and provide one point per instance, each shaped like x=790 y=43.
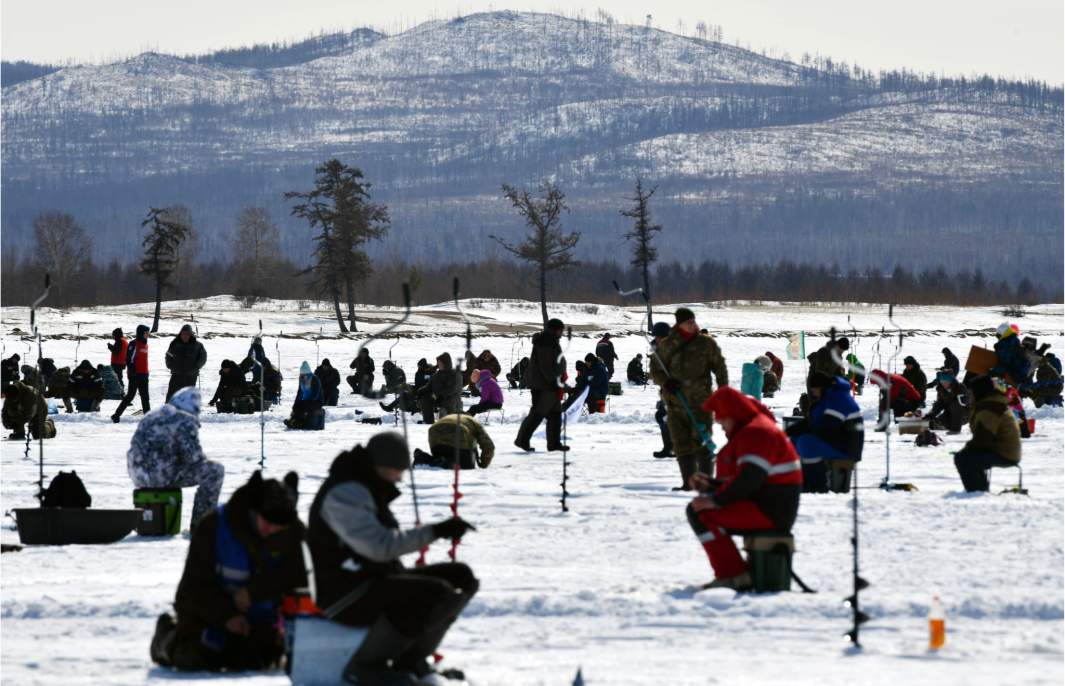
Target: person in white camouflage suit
x=165 y=452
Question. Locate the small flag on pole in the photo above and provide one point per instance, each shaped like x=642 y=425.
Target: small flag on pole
x=797 y=346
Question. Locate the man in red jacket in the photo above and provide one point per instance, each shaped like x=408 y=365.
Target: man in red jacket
x=118 y=354
x=902 y=398
x=137 y=365
x=757 y=486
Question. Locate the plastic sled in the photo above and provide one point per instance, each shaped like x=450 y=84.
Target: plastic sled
x=62 y=526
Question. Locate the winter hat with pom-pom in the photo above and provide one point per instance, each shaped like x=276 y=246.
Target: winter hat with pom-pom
x=187 y=400
x=1005 y=330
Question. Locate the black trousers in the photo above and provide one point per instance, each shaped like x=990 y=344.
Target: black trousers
x=483 y=407
x=138 y=383
x=120 y=370
x=444 y=456
x=545 y=405
x=972 y=466
x=177 y=382
x=412 y=600
x=663 y=427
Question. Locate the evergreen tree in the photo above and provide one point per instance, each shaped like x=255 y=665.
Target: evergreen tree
x=340 y=208
x=161 y=251
x=545 y=246
x=643 y=231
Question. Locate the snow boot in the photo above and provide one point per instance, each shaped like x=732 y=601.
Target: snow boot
x=17 y=436
x=664 y=452
x=687 y=464
x=738 y=583
x=369 y=665
x=162 y=639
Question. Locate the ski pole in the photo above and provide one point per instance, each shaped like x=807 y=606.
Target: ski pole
x=704 y=434
x=456 y=495
x=560 y=366
x=39 y=388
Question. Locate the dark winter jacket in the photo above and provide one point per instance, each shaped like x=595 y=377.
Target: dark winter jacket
x=24 y=405
x=486 y=360
x=309 y=395
x=351 y=532
x=328 y=375
x=950 y=362
x=953 y=406
x=47 y=368
x=544 y=369
x=9 y=371
x=598 y=381
x=758 y=463
x=276 y=568
x=917 y=378
x=634 y=372
x=822 y=362
x=604 y=350
x=691 y=363
x=423 y=380
x=395 y=378
x=185 y=359
x=1012 y=360
x=363 y=364
x=837 y=420
x=995 y=428
x=85 y=383
x=446 y=385
x=113 y=389
x=516 y=377
x=59 y=384
x=770 y=384
x=231 y=385
x=256 y=352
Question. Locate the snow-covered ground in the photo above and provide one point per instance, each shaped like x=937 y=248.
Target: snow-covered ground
x=601 y=588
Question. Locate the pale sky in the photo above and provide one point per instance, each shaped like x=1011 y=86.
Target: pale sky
x=1018 y=38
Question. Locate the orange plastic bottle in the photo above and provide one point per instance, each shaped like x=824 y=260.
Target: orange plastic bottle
x=937 y=625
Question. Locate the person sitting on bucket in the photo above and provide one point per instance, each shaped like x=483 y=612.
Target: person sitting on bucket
x=830 y=439
x=165 y=452
x=996 y=440
x=242 y=558
x=356 y=544
x=307 y=412
x=757 y=486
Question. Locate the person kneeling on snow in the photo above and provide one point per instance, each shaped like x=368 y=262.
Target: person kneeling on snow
x=356 y=544
x=475 y=447
x=25 y=405
x=165 y=452
x=996 y=440
x=953 y=404
x=307 y=412
x=634 y=372
x=830 y=440
x=759 y=478
x=242 y=558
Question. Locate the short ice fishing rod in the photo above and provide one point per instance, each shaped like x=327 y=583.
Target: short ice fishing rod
x=456 y=495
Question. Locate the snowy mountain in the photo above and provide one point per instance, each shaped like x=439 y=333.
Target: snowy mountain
x=757 y=159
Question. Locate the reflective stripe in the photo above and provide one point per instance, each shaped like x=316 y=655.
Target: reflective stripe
x=854 y=415
x=757 y=461
x=233 y=573
x=812 y=460
x=707 y=537
x=834 y=413
x=786 y=468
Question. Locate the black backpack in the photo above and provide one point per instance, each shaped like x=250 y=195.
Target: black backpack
x=66 y=490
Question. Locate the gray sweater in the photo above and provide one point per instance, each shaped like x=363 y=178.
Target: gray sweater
x=349 y=510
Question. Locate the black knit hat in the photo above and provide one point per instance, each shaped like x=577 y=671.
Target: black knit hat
x=982 y=386
x=117 y=332
x=660 y=330
x=683 y=314
x=909 y=359
x=275 y=501
x=389 y=449
x=555 y=325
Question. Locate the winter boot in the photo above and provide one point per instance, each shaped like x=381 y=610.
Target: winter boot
x=664 y=452
x=525 y=432
x=687 y=464
x=390 y=406
x=554 y=432
x=414 y=660
x=738 y=583
x=162 y=639
x=369 y=665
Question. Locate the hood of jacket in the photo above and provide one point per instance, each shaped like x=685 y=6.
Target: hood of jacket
x=445 y=362
x=728 y=403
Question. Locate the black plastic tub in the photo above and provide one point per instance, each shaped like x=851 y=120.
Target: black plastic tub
x=61 y=526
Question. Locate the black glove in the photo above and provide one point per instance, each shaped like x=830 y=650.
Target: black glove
x=672 y=385
x=454 y=528
x=111 y=347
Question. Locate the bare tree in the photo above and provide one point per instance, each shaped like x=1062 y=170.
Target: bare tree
x=258 y=251
x=63 y=250
x=162 y=247
x=642 y=234
x=545 y=246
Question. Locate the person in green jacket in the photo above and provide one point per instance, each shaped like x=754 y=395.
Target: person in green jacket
x=996 y=440
x=691 y=358
x=475 y=446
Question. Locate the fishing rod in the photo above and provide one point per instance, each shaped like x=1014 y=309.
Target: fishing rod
x=262 y=403
x=77 y=344
x=456 y=494
x=704 y=433
x=646 y=301
x=39 y=388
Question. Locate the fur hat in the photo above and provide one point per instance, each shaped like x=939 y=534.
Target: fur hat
x=389 y=449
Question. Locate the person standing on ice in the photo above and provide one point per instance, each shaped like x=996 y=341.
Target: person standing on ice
x=165 y=452
x=542 y=378
x=604 y=350
x=118 y=347
x=137 y=366
x=691 y=358
x=185 y=357
x=242 y=558
x=757 y=485
x=996 y=440
x=356 y=544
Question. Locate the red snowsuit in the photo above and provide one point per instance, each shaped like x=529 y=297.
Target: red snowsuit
x=760 y=478
x=776 y=365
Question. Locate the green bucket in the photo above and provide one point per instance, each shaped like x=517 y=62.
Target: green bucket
x=162 y=511
x=614 y=388
x=769 y=562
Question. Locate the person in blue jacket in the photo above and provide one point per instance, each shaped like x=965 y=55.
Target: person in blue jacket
x=1012 y=357
x=598 y=382
x=830 y=440
x=307 y=412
